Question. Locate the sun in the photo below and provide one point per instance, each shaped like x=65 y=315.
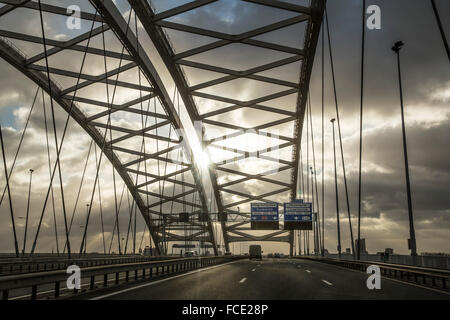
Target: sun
x=202 y=159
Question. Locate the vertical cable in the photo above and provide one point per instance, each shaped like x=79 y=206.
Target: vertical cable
x=28 y=212
x=108 y=125
x=20 y=142
x=363 y=32
x=79 y=188
x=44 y=40
x=9 y=194
x=337 y=194
x=441 y=29
x=58 y=151
x=100 y=202
x=50 y=174
x=314 y=183
x=323 y=138
x=340 y=135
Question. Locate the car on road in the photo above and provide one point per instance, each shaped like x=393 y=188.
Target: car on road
x=270 y=255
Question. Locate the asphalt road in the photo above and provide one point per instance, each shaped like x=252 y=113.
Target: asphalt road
x=284 y=279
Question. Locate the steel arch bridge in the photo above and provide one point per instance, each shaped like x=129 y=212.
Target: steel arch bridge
x=146 y=54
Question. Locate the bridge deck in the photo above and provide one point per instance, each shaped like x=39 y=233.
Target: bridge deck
x=270 y=279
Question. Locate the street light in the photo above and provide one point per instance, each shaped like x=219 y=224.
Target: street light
x=337 y=195
x=28 y=211
x=412 y=241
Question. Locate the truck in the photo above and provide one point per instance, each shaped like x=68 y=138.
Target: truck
x=254 y=252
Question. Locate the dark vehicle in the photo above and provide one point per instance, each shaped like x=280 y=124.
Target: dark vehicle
x=228 y=253
x=276 y=255
x=270 y=255
x=255 y=252
x=190 y=254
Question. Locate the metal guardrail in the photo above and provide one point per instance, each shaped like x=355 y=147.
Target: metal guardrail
x=38 y=265
x=140 y=270
x=425 y=276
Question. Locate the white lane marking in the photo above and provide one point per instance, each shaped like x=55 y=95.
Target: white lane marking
x=328 y=283
x=243 y=280
x=308 y=271
x=159 y=281
x=64 y=291
x=399 y=281
x=253 y=270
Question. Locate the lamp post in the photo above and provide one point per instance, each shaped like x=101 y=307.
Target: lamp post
x=337 y=195
x=412 y=240
x=28 y=211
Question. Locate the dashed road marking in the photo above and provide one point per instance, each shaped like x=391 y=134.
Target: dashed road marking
x=308 y=271
x=162 y=280
x=243 y=280
x=328 y=283
x=253 y=270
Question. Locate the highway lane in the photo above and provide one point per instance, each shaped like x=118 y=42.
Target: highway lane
x=285 y=279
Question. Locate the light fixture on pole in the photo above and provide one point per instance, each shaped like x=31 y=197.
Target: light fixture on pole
x=412 y=240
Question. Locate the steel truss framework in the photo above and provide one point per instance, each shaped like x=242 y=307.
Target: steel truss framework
x=156 y=23
x=71 y=99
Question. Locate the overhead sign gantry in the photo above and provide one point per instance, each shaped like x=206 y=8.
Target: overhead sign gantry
x=297 y=215
x=264 y=216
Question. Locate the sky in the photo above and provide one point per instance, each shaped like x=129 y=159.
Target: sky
x=426 y=88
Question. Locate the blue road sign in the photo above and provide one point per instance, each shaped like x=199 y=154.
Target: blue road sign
x=264 y=211
x=297 y=211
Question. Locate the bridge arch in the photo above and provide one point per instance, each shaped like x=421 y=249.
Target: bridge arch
x=110 y=18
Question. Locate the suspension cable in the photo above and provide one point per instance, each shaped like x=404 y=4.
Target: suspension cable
x=441 y=29
x=358 y=254
x=108 y=125
x=130 y=209
x=50 y=171
x=16 y=246
x=314 y=177
x=323 y=139
x=115 y=221
x=20 y=143
x=79 y=189
x=302 y=175
x=307 y=156
x=339 y=132
x=100 y=204
x=55 y=134
x=58 y=150
x=164 y=175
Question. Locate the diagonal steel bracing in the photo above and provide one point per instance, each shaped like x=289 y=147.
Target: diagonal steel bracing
x=152 y=91
x=156 y=24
